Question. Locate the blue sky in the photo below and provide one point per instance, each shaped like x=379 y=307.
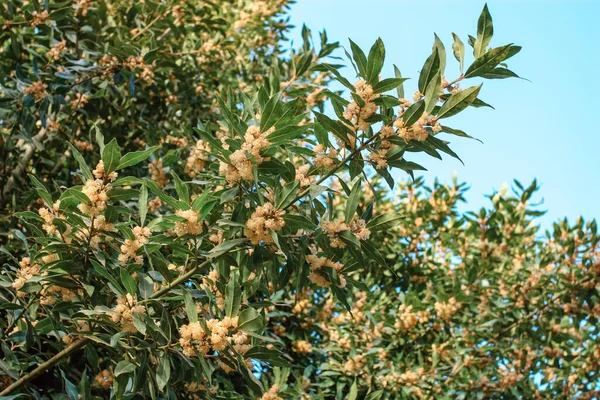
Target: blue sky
x=541 y=129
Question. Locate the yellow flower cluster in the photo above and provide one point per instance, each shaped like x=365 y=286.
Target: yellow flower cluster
x=218 y=335
x=108 y=64
x=379 y=155
x=145 y=72
x=123 y=312
x=40 y=18
x=82 y=6
x=26 y=271
x=334 y=228
x=79 y=101
x=174 y=140
x=272 y=393
x=315 y=97
x=395 y=381
x=193 y=339
x=355 y=364
x=104 y=378
x=262 y=220
x=191 y=226
x=100 y=173
x=67 y=295
x=83 y=146
x=418 y=130
x=95 y=190
x=130 y=247
x=302 y=347
x=358 y=115
x=158 y=173
x=37 y=89
x=56 y=51
x=407 y=319
x=48 y=216
x=197 y=159
x=445 y=310
x=317 y=263
x=325 y=159
x=303 y=176
x=240 y=166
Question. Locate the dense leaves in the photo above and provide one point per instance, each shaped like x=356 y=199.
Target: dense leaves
x=196 y=225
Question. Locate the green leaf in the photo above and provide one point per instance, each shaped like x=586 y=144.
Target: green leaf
x=443 y=146
x=349 y=238
x=375 y=61
x=359 y=58
x=384 y=221
x=499 y=73
x=146 y=285
x=163 y=372
x=124 y=367
x=233 y=298
x=439 y=45
x=75 y=195
x=433 y=92
x=128 y=281
x=139 y=323
x=400 y=88
x=250 y=320
x=430 y=68
x=485 y=30
x=111 y=156
x=225 y=247
x=339 y=76
x=295 y=222
x=457 y=132
x=143 y=204
x=388 y=84
x=286 y=195
x=190 y=306
x=375 y=395
x=85 y=170
x=458 y=102
x=353 y=200
x=372 y=252
x=272 y=357
x=135 y=157
x=271 y=112
x=70 y=388
x=488 y=61
x=181 y=188
x=458 y=47
x=353 y=392
x=286 y=134
x=41 y=190
x=171 y=202
x=336 y=127
x=413 y=113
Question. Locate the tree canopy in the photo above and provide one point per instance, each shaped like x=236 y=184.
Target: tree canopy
x=190 y=210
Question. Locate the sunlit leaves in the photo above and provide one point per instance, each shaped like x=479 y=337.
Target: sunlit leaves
x=111 y=156
x=458 y=102
x=490 y=60
x=429 y=70
x=458 y=48
x=135 y=157
x=485 y=30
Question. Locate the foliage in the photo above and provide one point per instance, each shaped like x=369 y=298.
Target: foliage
x=181 y=233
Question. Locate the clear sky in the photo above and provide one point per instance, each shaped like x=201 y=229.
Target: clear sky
x=542 y=129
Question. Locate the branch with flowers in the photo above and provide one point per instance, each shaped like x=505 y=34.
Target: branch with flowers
x=230 y=239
